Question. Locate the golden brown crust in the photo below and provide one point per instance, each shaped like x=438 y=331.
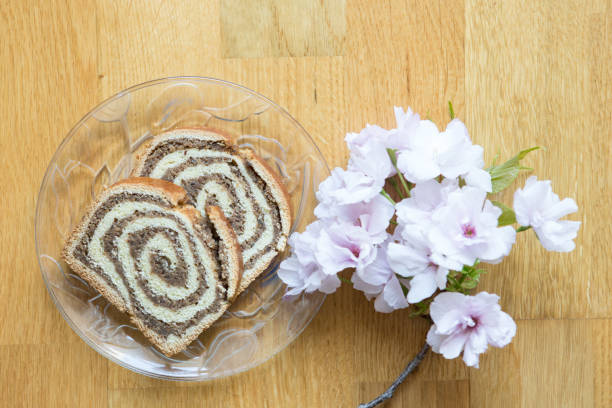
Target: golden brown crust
x=275 y=183
x=94 y=280
x=169 y=349
x=282 y=200
x=231 y=247
x=144 y=150
x=175 y=193
x=226 y=135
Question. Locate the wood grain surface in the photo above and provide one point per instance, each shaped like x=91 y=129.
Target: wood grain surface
x=520 y=73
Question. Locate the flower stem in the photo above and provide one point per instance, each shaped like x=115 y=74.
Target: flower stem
x=343 y=279
x=396 y=187
x=387 y=196
x=521 y=229
x=451 y=111
x=404 y=183
x=409 y=368
x=393 y=158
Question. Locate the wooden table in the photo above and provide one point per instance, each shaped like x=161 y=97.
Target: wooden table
x=519 y=73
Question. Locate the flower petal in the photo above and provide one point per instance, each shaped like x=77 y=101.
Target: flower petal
x=289 y=272
x=558 y=236
x=378 y=272
x=368 y=289
x=444 y=302
x=501 y=333
x=562 y=208
x=479 y=178
x=394 y=295
x=329 y=283
x=452 y=346
x=417 y=166
x=434 y=339
x=422 y=286
x=406 y=261
x=380 y=305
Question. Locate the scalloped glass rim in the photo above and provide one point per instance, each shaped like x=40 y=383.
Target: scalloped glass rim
x=45 y=180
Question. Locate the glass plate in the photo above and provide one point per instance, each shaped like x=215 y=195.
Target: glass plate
x=98 y=151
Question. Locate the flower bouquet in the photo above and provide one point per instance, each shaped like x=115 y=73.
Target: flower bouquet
x=412 y=216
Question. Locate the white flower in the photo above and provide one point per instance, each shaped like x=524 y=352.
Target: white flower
x=345 y=187
x=465 y=229
x=305 y=278
x=342 y=245
x=377 y=280
x=301 y=272
x=371 y=158
x=449 y=153
x=413 y=254
x=373 y=216
x=536 y=205
x=358 y=141
x=413 y=258
x=468 y=324
x=407 y=125
x=398 y=138
x=424 y=199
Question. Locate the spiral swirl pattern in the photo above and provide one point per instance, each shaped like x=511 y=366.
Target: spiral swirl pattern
x=155 y=259
x=214 y=172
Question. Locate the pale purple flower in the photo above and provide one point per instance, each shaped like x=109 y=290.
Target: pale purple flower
x=378 y=281
x=301 y=271
x=407 y=124
x=344 y=187
x=537 y=206
x=343 y=245
x=417 y=160
x=397 y=139
x=424 y=198
x=358 y=141
x=413 y=258
x=465 y=229
x=373 y=216
x=468 y=324
x=372 y=159
x=450 y=153
x=305 y=278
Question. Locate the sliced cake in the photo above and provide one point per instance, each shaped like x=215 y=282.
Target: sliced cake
x=215 y=172
x=158 y=259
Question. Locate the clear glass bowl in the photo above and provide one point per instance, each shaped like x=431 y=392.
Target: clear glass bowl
x=98 y=151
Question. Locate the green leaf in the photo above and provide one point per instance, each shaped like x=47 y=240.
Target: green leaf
x=495 y=158
x=507 y=217
x=504 y=174
x=421 y=308
x=451 y=111
x=471 y=284
x=465 y=280
x=474 y=273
